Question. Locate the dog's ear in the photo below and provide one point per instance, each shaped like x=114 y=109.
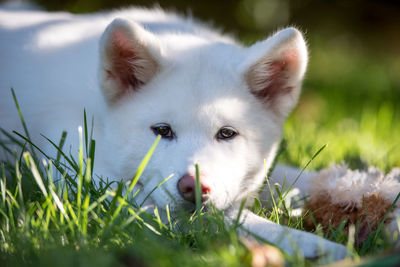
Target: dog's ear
x=127 y=59
x=274 y=70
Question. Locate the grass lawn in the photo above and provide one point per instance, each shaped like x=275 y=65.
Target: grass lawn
x=350 y=102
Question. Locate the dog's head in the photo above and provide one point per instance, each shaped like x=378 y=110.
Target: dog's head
x=213 y=102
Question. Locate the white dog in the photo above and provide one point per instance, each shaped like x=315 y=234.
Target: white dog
x=142 y=73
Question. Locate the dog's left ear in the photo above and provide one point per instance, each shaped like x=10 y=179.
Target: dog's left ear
x=274 y=69
x=128 y=59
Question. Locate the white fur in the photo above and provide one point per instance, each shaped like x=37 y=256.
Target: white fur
x=198 y=85
x=338 y=181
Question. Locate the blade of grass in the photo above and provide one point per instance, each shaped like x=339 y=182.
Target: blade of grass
x=92 y=149
x=80 y=173
x=3 y=184
x=31 y=164
x=22 y=119
x=19 y=183
x=44 y=154
x=303 y=169
x=70 y=161
x=275 y=207
x=154 y=189
x=143 y=164
x=12 y=138
x=381 y=224
x=139 y=172
x=237 y=221
x=198 y=189
x=86 y=131
x=61 y=144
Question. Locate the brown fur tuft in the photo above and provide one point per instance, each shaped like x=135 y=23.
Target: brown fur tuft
x=326 y=213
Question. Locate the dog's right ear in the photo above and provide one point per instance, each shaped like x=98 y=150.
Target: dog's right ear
x=274 y=70
x=128 y=59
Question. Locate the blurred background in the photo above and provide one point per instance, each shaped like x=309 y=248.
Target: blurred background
x=351 y=93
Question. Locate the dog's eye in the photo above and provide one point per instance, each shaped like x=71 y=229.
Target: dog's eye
x=226 y=133
x=163 y=129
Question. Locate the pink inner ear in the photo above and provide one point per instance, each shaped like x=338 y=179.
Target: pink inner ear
x=272 y=80
x=123 y=57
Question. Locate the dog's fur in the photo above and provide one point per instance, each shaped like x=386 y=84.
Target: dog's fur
x=134 y=68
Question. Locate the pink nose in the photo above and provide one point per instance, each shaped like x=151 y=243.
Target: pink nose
x=187 y=188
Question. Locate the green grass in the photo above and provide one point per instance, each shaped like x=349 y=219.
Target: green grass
x=75 y=221
x=350 y=101
x=72 y=221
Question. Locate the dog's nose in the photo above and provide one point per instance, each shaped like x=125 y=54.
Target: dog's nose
x=187 y=188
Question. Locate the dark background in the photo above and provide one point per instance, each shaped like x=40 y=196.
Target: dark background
x=372 y=22
x=364 y=33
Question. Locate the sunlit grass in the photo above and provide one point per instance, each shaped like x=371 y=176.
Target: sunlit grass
x=369 y=140
x=351 y=102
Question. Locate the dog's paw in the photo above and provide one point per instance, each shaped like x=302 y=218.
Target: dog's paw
x=314 y=247
x=329 y=251
x=323 y=250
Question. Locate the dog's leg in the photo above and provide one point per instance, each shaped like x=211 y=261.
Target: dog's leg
x=290 y=240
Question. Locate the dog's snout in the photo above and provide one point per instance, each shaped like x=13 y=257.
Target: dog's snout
x=187 y=188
